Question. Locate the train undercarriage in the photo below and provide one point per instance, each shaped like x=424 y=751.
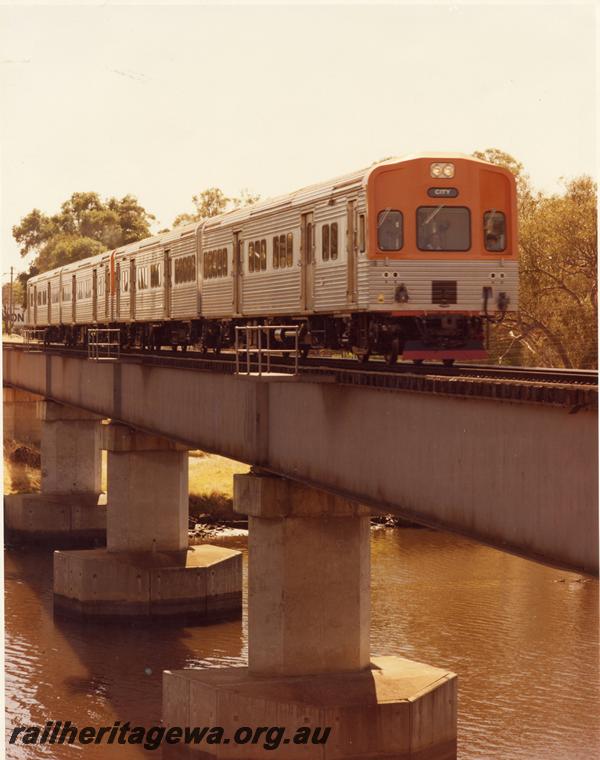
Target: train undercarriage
x=437 y=337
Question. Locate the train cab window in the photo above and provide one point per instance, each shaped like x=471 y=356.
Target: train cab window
x=334 y=241
x=390 y=230
x=362 y=236
x=443 y=228
x=290 y=249
x=494 y=230
x=325 y=242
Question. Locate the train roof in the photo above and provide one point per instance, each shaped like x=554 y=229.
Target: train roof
x=237 y=216
x=320 y=189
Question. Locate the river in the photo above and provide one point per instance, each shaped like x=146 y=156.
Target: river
x=522 y=637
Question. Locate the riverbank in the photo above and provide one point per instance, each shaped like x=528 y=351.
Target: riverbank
x=210 y=490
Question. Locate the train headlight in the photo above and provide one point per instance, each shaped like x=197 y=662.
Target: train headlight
x=442 y=170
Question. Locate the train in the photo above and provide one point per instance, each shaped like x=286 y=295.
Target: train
x=411 y=257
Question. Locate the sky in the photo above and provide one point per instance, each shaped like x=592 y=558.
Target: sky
x=164 y=101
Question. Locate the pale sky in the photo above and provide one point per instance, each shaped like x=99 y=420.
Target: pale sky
x=164 y=101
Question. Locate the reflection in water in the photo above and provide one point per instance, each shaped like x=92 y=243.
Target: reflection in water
x=522 y=637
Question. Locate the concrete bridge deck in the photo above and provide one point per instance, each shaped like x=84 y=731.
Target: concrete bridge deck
x=519 y=476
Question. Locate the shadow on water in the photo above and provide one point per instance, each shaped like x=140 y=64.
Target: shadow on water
x=93 y=673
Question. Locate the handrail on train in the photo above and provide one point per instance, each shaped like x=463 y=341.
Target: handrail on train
x=259 y=340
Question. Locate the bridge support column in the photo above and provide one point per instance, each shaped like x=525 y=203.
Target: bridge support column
x=308 y=644
x=70 y=510
x=21 y=422
x=147 y=568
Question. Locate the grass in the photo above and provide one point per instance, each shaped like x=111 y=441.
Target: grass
x=21 y=468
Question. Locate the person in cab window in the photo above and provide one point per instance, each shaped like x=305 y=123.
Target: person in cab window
x=434 y=240
x=494 y=233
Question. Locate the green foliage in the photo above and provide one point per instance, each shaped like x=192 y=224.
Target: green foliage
x=213 y=201
x=558 y=306
x=85 y=226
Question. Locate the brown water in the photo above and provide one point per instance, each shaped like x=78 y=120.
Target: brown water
x=523 y=639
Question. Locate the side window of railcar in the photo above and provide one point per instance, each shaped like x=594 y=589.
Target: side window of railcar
x=334 y=241
x=494 y=230
x=55 y=294
x=276 y=252
x=125 y=280
x=390 y=230
x=263 y=254
x=154 y=275
x=443 y=228
x=325 y=242
x=290 y=249
x=66 y=293
x=142 y=278
x=362 y=237
x=185 y=269
x=251 y=256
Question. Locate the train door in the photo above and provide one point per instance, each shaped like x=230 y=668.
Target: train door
x=118 y=286
x=132 y=289
x=352 y=249
x=237 y=272
x=307 y=256
x=167 y=284
x=94 y=295
x=73 y=298
x=107 y=287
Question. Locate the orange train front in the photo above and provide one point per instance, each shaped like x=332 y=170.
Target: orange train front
x=443 y=255
x=409 y=257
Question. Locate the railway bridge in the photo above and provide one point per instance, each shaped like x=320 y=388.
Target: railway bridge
x=510 y=462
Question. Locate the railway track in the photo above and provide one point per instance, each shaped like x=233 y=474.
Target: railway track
x=576 y=389
x=225 y=361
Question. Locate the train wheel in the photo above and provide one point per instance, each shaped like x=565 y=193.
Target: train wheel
x=392 y=356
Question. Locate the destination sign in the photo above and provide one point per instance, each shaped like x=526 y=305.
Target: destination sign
x=442 y=192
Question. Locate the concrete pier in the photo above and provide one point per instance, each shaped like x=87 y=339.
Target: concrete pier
x=70 y=510
x=20 y=420
x=147 y=568
x=308 y=643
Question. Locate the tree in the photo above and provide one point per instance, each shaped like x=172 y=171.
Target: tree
x=558 y=307
x=213 y=201
x=85 y=226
